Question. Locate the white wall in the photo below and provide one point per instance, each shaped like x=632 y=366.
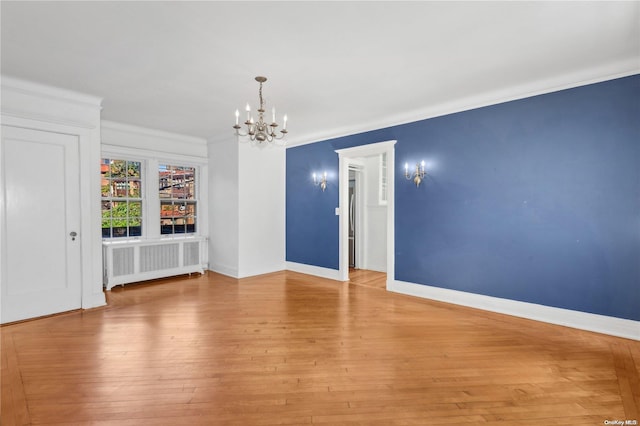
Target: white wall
x=223 y=208
x=376 y=218
x=247 y=216
x=261 y=209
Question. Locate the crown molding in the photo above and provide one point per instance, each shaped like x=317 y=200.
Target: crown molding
x=534 y=88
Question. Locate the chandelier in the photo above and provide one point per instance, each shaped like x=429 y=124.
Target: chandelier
x=260 y=130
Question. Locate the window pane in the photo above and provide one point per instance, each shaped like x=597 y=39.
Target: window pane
x=189 y=183
x=165 y=182
x=106 y=209
x=135 y=209
x=118 y=168
x=119 y=231
x=166 y=227
x=134 y=188
x=119 y=209
x=133 y=169
x=177 y=183
x=166 y=209
x=104 y=168
x=190 y=209
x=106 y=231
x=120 y=188
x=105 y=188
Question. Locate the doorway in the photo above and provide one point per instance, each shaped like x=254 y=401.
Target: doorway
x=357 y=214
x=352 y=219
x=350 y=159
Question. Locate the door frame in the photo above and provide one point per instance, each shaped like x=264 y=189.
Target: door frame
x=346 y=157
x=39 y=107
x=31 y=302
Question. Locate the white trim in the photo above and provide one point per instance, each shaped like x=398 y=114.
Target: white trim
x=581 y=320
x=158 y=143
x=318 y=271
x=223 y=270
x=366 y=150
x=539 y=87
x=50 y=92
x=157 y=134
x=26 y=100
x=109 y=150
x=345 y=157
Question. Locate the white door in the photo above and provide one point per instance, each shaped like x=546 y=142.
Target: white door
x=41 y=269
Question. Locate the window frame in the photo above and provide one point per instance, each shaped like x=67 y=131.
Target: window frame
x=383 y=191
x=173 y=201
x=114 y=198
x=150 y=160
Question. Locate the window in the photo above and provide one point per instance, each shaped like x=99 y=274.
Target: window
x=382 y=187
x=177 y=189
x=121 y=198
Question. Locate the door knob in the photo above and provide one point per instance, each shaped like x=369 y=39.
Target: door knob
x=73 y=235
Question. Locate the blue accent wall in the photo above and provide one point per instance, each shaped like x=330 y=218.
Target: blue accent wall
x=535 y=200
x=312 y=226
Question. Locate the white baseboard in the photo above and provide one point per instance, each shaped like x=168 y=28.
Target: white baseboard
x=332 y=274
x=252 y=272
x=224 y=270
x=582 y=320
x=94 y=300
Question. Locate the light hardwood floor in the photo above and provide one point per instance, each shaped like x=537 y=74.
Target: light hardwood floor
x=368 y=278
x=287 y=348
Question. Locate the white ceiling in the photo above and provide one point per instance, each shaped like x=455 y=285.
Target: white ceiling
x=333 y=67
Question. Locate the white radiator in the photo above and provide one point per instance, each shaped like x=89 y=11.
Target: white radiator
x=139 y=260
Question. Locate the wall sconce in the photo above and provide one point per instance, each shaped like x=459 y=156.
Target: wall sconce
x=417 y=176
x=322 y=182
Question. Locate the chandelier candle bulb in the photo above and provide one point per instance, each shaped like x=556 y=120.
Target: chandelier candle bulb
x=273 y=115
x=284 y=127
x=237 y=116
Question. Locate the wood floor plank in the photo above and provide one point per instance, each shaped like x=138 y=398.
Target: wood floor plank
x=14 y=404
x=288 y=348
